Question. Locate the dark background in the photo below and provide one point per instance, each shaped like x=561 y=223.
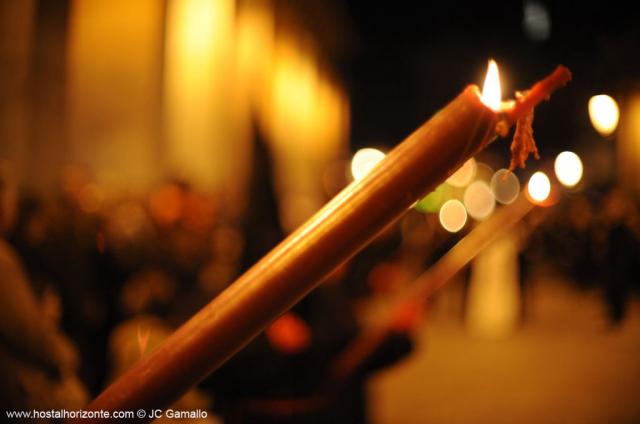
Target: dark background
x=405 y=60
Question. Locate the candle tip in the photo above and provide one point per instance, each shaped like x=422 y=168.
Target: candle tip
x=491 y=91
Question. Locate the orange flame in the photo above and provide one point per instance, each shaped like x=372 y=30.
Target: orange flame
x=491 y=91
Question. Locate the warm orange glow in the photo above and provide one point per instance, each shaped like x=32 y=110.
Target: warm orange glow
x=90 y=198
x=289 y=334
x=255 y=34
x=198 y=95
x=166 y=204
x=112 y=70
x=143 y=339
x=493 y=299
x=305 y=115
x=491 y=91
x=294 y=85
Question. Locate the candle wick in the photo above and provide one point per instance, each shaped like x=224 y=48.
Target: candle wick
x=523 y=143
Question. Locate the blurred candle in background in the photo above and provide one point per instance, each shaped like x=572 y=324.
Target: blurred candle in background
x=628 y=145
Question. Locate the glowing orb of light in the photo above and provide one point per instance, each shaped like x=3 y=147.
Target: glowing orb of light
x=453 y=216
x=536 y=22
x=364 y=161
x=604 y=114
x=539 y=186
x=479 y=200
x=505 y=186
x=483 y=172
x=568 y=168
x=491 y=91
x=464 y=175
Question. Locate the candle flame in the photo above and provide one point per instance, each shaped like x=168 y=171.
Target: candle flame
x=491 y=92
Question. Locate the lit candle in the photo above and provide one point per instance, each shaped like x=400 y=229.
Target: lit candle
x=339 y=230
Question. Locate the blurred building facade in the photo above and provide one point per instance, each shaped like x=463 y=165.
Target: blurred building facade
x=134 y=93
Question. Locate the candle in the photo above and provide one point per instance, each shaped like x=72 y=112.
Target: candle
x=334 y=234
x=430 y=281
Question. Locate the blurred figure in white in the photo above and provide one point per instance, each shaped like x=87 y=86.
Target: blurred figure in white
x=493 y=302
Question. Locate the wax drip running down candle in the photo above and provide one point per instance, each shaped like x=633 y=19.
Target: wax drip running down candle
x=338 y=231
x=521 y=110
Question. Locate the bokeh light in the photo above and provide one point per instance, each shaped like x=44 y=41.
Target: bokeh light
x=505 y=186
x=479 y=200
x=536 y=22
x=483 y=172
x=604 y=114
x=364 y=161
x=568 y=168
x=464 y=175
x=539 y=187
x=453 y=216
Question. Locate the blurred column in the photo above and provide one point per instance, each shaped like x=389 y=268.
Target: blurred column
x=114 y=89
x=628 y=144
x=47 y=132
x=307 y=119
x=254 y=35
x=201 y=104
x=16 y=28
x=493 y=302
x=255 y=38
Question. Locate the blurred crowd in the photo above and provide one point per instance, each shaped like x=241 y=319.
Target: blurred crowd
x=92 y=282
x=593 y=237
